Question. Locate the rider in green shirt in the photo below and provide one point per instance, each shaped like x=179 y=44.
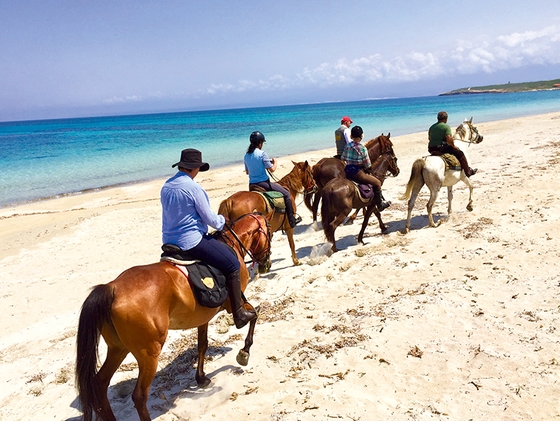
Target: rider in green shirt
x=441 y=141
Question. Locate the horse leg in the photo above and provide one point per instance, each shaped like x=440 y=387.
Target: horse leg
x=414 y=194
x=333 y=226
x=434 y=190
x=147 y=367
x=115 y=357
x=449 y=199
x=290 y=234
x=243 y=354
x=367 y=213
x=468 y=183
x=382 y=226
x=200 y=376
x=147 y=355
x=353 y=217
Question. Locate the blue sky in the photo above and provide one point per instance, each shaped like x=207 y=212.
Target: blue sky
x=71 y=58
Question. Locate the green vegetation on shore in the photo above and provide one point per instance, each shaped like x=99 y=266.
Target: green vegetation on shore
x=508 y=87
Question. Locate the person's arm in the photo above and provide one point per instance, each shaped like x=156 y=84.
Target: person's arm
x=347 y=136
x=449 y=140
x=269 y=163
x=208 y=216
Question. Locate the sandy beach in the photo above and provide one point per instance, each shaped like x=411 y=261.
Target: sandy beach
x=458 y=322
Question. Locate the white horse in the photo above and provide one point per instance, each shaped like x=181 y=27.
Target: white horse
x=431 y=170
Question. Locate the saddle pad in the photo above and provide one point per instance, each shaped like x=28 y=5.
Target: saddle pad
x=208 y=283
x=276 y=200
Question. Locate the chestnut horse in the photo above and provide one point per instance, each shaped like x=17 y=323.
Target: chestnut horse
x=328 y=168
x=431 y=170
x=299 y=180
x=134 y=313
x=340 y=196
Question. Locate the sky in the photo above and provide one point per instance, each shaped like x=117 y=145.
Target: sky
x=76 y=58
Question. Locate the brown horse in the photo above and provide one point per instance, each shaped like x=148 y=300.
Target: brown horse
x=299 y=180
x=328 y=168
x=134 y=313
x=340 y=196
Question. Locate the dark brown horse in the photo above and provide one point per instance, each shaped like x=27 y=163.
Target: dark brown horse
x=299 y=180
x=340 y=196
x=328 y=168
x=134 y=312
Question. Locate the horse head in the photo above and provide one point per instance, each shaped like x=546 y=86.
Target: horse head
x=253 y=235
x=306 y=176
x=386 y=164
x=467 y=132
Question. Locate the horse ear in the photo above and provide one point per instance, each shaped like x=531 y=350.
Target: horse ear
x=388 y=135
x=470 y=121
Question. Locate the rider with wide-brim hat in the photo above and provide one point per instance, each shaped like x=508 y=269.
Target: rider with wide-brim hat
x=186 y=215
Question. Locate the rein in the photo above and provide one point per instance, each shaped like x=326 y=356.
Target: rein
x=377 y=173
x=261 y=230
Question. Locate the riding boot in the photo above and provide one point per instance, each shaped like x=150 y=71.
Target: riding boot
x=241 y=316
x=380 y=201
x=292 y=219
x=465 y=166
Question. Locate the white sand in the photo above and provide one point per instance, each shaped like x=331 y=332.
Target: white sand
x=453 y=323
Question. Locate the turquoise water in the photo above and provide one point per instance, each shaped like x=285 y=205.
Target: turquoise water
x=41 y=159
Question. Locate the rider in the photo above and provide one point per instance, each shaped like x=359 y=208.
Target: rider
x=185 y=219
x=358 y=166
x=441 y=141
x=342 y=136
x=256 y=163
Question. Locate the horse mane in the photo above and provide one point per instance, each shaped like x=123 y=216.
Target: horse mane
x=383 y=141
x=293 y=180
x=460 y=130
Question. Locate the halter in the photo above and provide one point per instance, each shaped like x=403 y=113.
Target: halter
x=267 y=233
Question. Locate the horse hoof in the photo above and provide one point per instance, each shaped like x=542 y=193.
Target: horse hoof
x=470 y=208
x=242 y=357
x=296 y=262
x=203 y=382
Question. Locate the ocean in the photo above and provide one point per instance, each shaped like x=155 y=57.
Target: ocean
x=49 y=158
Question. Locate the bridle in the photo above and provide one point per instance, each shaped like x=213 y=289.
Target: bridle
x=256 y=256
x=474 y=137
x=389 y=157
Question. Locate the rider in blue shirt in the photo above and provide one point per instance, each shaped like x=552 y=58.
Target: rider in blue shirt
x=186 y=215
x=257 y=163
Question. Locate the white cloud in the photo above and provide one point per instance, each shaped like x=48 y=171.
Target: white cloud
x=505 y=52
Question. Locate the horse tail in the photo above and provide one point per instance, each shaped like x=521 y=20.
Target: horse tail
x=308 y=200
x=96 y=311
x=416 y=178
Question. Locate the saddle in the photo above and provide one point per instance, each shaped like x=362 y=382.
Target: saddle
x=207 y=282
x=365 y=191
x=274 y=199
x=451 y=161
